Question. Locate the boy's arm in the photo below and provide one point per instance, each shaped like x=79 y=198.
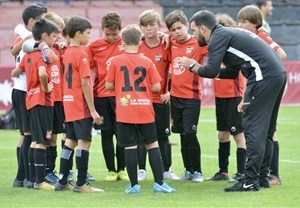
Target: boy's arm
x=28 y=46
x=109 y=85
x=16 y=48
x=86 y=89
x=47 y=87
x=156 y=87
x=15 y=72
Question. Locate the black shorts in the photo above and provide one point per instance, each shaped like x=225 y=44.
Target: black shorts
x=162 y=119
x=106 y=107
x=80 y=129
x=228 y=118
x=41 y=123
x=133 y=134
x=18 y=98
x=185 y=114
x=58 y=118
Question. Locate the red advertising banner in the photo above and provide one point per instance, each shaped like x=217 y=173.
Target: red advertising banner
x=291 y=95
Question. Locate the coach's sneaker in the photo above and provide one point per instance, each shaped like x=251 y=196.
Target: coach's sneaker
x=264 y=182
x=43 y=186
x=245 y=184
x=187 y=175
x=170 y=175
x=197 y=177
x=133 y=190
x=219 y=176
x=164 y=188
x=18 y=183
x=122 y=175
x=51 y=178
x=274 y=180
x=60 y=187
x=89 y=177
x=86 y=188
x=142 y=175
x=70 y=176
x=112 y=176
x=237 y=177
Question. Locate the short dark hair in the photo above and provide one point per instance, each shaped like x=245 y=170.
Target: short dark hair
x=131 y=34
x=261 y=3
x=175 y=16
x=33 y=11
x=112 y=21
x=41 y=26
x=77 y=23
x=204 y=17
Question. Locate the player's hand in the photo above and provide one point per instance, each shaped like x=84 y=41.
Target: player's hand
x=50 y=87
x=48 y=55
x=165 y=39
x=240 y=106
x=97 y=119
x=165 y=98
x=263 y=29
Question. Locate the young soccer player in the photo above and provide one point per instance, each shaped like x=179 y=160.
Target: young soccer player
x=39 y=100
x=250 y=18
x=134 y=77
x=153 y=48
x=25 y=160
x=78 y=105
x=228 y=95
x=185 y=94
x=103 y=49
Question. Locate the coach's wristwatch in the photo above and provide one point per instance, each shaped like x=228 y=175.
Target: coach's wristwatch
x=191 y=66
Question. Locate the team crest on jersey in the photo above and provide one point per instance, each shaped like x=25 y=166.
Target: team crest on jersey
x=189 y=50
x=84 y=60
x=177 y=69
x=158 y=57
x=55 y=74
x=108 y=62
x=233 y=129
x=121 y=47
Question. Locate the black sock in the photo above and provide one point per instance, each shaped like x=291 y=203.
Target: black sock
x=165 y=151
x=48 y=161
x=18 y=154
x=142 y=155
x=53 y=156
x=120 y=155
x=62 y=143
x=156 y=165
x=131 y=161
x=82 y=162
x=31 y=164
x=275 y=160
x=40 y=157
x=66 y=158
x=224 y=152
x=241 y=160
x=25 y=149
x=21 y=169
x=108 y=149
x=194 y=151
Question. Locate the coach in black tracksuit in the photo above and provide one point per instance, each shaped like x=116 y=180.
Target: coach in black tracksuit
x=239 y=49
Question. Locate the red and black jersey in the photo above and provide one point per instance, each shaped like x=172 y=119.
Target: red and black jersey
x=133 y=75
x=160 y=57
x=35 y=94
x=76 y=67
x=184 y=83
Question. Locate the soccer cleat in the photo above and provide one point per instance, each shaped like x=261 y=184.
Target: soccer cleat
x=43 y=186
x=264 y=182
x=18 y=183
x=187 y=175
x=197 y=177
x=164 y=188
x=89 y=177
x=219 y=177
x=122 y=175
x=274 y=180
x=142 y=175
x=51 y=178
x=86 y=188
x=236 y=178
x=245 y=184
x=60 y=187
x=70 y=176
x=133 y=190
x=29 y=184
x=170 y=175
x=112 y=176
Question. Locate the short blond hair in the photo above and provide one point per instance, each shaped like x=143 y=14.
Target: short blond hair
x=56 y=19
x=148 y=17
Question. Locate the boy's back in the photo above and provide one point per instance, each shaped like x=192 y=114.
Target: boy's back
x=133 y=75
